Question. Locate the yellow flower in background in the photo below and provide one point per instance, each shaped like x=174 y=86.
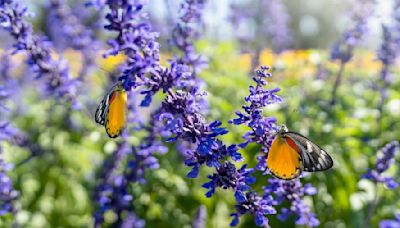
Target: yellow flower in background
x=245 y=62
x=111 y=62
x=267 y=57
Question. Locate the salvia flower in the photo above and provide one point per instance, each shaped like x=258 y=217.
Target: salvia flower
x=227 y=176
x=136 y=39
x=385 y=160
x=262 y=129
x=390 y=223
x=8 y=195
x=199 y=220
x=271 y=20
x=255 y=205
x=186 y=32
x=55 y=73
x=111 y=193
x=67 y=27
x=293 y=192
x=343 y=48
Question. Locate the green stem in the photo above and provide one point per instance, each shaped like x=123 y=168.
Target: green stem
x=337 y=83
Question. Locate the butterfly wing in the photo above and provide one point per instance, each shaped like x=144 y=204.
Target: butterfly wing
x=314 y=158
x=101 y=111
x=115 y=117
x=283 y=161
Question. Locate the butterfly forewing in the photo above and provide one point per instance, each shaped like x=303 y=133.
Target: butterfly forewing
x=102 y=109
x=314 y=157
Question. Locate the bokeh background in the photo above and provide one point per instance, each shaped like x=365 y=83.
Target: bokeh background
x=58 y=161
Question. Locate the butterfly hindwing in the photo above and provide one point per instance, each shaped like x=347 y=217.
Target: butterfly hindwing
x=115 y=117
x=283 y=161
x=314 y=158
x=111 y=111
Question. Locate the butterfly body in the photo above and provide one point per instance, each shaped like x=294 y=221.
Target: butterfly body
x=111 y=111
x=291 y=153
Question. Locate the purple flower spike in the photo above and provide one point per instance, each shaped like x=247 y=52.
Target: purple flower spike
x=56 y=73
x=390 y=223
x=255 y=205
x=384 y=162
x=293 y=192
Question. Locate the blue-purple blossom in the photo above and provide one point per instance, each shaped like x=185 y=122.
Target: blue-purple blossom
x=67 y=31
x=343 y=48
x=8 y=195
x=111 y=193
x=390 y=223
x=262 y=129
x=199 y=220
x=255 y=205
x=271 y=20
x=136 y=39
x=293 y=192
x=228 y=177
x=385 y=160
x=55 y=73
x=186 y=32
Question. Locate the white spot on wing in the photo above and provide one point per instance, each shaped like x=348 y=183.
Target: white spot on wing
x=309 y=147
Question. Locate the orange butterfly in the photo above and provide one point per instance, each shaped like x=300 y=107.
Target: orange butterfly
x=291 y=153
x=111 y=111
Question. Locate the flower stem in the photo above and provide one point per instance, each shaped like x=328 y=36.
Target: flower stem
x=372 y=207
x=337 y=83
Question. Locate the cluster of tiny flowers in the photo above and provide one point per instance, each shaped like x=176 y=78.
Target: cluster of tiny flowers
x=343 y=49
x=386 y=159
x=185 y=33
x=138 y=42
x=272 y=20
x=55 y=73
x=255 y=205
x=262 y=129
x=7 y=193
x=199 y=220
x=67 y=30
x=277 y=22
x=111 y=194
x=390 y=223
x=293 y=191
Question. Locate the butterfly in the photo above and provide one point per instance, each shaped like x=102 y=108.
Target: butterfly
x=291 y=153
x=111 y=111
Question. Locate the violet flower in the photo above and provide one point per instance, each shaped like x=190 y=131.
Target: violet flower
x=271 y=20
x=262 y=129
x=111 y=193
x=385 y=160
x=343 y=49
x=292 y=191
x=67 y=28
x=55 y=73
x=8 y=195
x=199 y=220
x=186 y=32
x=390 y=223
x=256 y=205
